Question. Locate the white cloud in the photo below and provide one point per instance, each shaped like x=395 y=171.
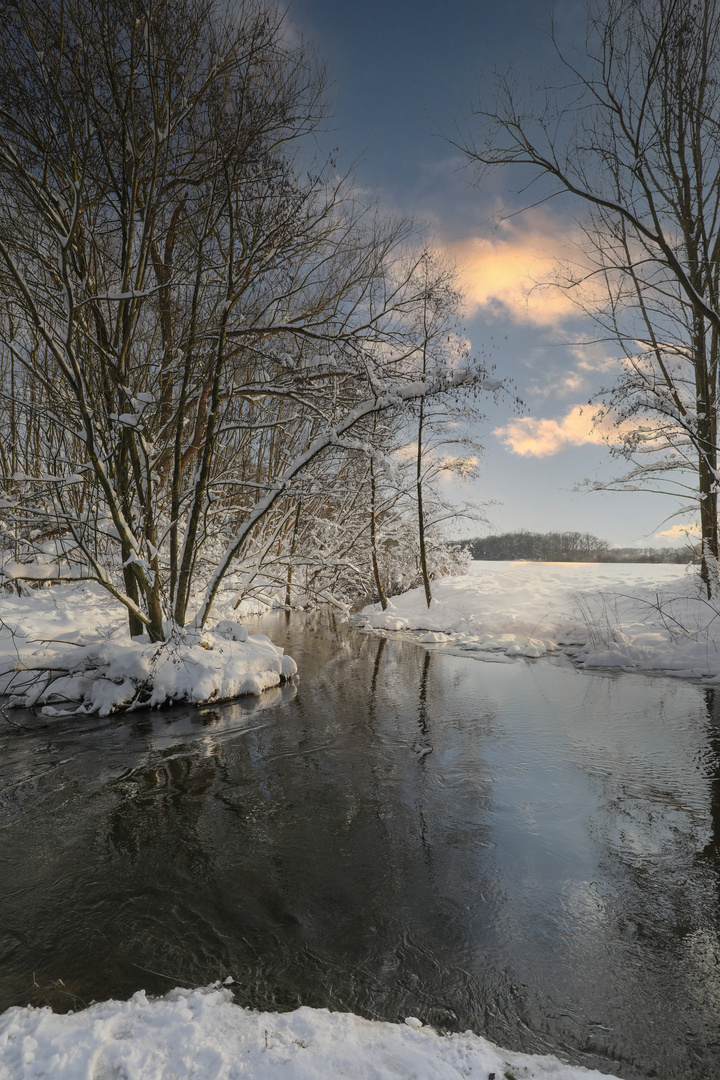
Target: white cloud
x=581 y=379
x=594 y=356
x=560 y=385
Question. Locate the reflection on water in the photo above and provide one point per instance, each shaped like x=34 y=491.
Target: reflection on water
x=521 y=849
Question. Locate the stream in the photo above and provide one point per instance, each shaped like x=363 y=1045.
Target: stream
x=522 y=849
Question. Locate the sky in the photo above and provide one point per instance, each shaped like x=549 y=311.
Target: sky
x=405 y=75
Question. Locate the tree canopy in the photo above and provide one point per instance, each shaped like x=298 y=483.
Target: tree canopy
x=201 y=322
x=628 y=132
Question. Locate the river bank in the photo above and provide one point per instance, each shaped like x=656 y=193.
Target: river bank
x=631 y=617
x=202 y=1033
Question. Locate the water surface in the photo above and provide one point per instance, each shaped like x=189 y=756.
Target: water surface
x=521 y=849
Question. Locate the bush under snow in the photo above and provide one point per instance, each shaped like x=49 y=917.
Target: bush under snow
x=66 y=649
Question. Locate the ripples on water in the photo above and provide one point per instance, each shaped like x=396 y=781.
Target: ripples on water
x=521 y=849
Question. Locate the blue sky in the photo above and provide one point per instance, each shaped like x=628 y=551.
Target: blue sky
x=404 y=73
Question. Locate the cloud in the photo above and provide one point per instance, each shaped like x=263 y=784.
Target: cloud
x=595 y=356
x=516 y=267
x=680 y=532
x=530 y=436
x=577 y=381
x=560 y=384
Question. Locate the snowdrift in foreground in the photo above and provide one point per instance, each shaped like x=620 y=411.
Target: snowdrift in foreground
x=645 y=617
x=67 y=649
x=202 y=1033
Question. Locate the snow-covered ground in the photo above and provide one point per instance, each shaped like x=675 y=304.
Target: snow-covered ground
x=649 y=617
x=78 y=635
x=201 y=1033
x=645 y=617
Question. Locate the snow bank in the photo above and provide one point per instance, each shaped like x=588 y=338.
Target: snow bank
x=647 y=617
x=201 y=1033
x=634 y=617
x=67 y=649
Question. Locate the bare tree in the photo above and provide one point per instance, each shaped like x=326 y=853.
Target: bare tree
x=443 y=443
x=633 y=135
x=203 y=317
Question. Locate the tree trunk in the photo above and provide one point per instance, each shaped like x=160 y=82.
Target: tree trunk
x=293 y=545
x=421 y=515
x=707 y=485
x=705 y=359
x=135 y=625
x=373 y=541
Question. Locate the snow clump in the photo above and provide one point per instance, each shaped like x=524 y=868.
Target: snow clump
x=66 y=650
x=193 y=1033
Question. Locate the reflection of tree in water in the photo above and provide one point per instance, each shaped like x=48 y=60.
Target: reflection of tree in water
x=376 y=667
x=361 y=815
x=164 y=919
x=419 y=801
x=293 y=852
x=659 y=819
x=422 y=749
x=161 y=802
x=423 y=704
x=656 y=917
x=649 y=823
x=711 y=769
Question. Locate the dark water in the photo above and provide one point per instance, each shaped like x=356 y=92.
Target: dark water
x=520 y=849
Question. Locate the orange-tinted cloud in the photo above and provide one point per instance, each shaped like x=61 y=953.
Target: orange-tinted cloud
x=531 y=436
x=681 y=532
x=516 y=267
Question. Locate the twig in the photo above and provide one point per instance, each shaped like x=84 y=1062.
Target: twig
x=13 y=722
x=54 y=641
x=170 y=978
x=38 y=667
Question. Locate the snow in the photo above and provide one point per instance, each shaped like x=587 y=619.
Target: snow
x=642 y=617
x=635 y=617
x=43 y=571
x=202 y=1033
x=80 y=634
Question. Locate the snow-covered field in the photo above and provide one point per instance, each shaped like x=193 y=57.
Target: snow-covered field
x=202 y=1034
x=647 y=617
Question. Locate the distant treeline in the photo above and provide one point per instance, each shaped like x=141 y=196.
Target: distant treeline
x=567 y=547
